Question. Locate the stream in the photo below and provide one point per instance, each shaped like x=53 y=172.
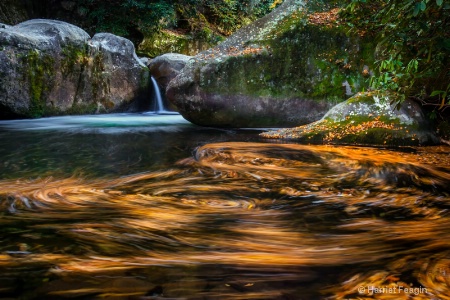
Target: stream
x=144 y=206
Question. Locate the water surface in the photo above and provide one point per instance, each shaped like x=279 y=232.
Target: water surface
x=152 y=207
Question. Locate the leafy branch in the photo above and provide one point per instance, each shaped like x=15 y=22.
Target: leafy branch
x=413 y=42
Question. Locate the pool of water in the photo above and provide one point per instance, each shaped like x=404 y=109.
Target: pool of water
x=135 y=206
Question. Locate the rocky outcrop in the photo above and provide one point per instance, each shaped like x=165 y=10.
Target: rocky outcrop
x=365 y=119
x=286 y=69
x=51 y=67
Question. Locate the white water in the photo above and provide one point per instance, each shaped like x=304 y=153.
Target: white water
x=106 y=123
x=159 y=105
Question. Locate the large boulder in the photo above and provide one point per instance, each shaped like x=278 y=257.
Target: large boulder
x=286 y=69
x=50 y=67
x=365 y=119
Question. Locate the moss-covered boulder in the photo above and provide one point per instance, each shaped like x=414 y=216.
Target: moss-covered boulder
x=286 y=69
x=365 y=119
x=50 y=67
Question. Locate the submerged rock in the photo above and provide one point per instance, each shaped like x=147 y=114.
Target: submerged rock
x=286 y=69
x=365 y=119
x=50 y=67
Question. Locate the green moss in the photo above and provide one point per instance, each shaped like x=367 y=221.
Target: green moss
x=39 y=73
x=295 y=60
x=320 y=60
x=362 y=98
x=99 y=82
x=144 y=79
x=74 y=59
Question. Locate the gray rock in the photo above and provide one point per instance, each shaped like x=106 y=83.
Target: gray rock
x=283 y=70
x=51 y=67
x=33 y=61
x=114 y=74
x=144 y=60
x=45 y=35
x=166 y=67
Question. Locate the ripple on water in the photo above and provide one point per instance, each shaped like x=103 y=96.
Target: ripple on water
x=237 y=220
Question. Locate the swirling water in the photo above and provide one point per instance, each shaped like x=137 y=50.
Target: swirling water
x=152 y=207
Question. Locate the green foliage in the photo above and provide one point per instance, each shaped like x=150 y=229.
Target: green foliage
x=223 y=16
x=199 y=17
x=121 y=16
x=443 y=130
x=393 y=76
x=414 y=44
x=443 y=95
x=38 y=73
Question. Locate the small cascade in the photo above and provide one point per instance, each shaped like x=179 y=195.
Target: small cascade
x=159 y=105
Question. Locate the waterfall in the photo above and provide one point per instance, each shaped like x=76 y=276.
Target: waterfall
x=159 y=105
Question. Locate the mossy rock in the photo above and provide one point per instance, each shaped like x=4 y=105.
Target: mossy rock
x=286 y=69
x=365 y=119
x=13 y=11
x=50 y=67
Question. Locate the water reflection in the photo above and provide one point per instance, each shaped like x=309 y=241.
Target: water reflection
x=100 y=145
x=236 y=220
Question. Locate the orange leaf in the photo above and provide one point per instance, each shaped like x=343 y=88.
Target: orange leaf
x=442 y=103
